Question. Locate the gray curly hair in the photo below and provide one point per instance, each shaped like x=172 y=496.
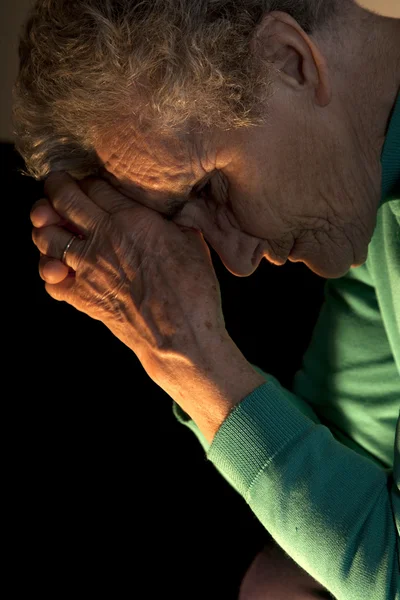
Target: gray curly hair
x=87 y=66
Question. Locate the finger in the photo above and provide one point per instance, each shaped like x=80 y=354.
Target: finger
x=43 y=214
x=52 y=270
x=52 y=241
x=63 y=292
x=71 y=202
x=105 y=195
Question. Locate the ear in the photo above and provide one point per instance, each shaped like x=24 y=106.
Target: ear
x=300 y=64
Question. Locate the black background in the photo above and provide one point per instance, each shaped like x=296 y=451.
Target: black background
x=112 y=495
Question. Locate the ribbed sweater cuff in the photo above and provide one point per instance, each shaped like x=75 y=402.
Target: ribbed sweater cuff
x=254 y=433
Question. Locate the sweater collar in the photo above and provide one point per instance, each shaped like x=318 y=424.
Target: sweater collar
x=391 y=157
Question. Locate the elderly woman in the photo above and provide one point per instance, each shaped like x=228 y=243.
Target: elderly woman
x=269 y=128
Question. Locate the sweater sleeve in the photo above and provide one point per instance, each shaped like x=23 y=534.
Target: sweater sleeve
x=331 y=505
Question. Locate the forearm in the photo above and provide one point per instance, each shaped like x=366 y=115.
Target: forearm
x=294 y=474
x=209 y=388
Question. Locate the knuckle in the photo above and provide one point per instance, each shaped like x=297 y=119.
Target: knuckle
x=100 y=229
x=67 y=196
x=54 y=292
x=45 y=239
x=49 y=241
x=100 y=223
x=81 y=252
x=91 y=185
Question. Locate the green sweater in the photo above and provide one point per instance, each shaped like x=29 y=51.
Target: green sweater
x=319 y=465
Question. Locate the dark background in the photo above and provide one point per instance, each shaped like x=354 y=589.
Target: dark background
x=114 y=497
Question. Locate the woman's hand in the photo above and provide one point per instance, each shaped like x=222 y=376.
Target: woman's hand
x=151 y=282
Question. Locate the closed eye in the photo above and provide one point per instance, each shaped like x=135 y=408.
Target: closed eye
x=198 y=191
x=204 y=190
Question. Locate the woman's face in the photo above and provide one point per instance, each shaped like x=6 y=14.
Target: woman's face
x=305 y=186
x=291 y=190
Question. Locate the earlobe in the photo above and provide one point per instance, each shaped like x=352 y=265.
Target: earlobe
x=281 y=41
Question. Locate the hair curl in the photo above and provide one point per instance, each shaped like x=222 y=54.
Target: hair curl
x=87 y=66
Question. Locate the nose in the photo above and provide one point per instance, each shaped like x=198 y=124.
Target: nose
x=237 y=250
x=237 y=259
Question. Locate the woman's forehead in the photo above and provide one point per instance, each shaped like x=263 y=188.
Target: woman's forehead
x=152 y=162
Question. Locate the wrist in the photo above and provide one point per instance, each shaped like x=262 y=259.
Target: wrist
x=209 y=388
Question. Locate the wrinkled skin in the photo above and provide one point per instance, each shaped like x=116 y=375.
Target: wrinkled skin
x=305 y=187
x=148 y=280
